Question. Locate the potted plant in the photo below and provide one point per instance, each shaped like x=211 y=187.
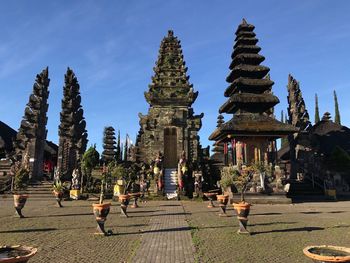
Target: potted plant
x=118 y=175
x=16 y=254
x=211 y=194
x=20 y=185
x=241 y=179
x=101 y=210
x=226 y=183
x=327 y=253
x=129 y=180
x=90 y=160
x=58 y=190
x=135 y=194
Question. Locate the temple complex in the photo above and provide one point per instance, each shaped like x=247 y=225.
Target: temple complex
x=170 y=126
x=252 y=131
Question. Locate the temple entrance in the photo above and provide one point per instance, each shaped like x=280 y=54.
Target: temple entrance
x=170 y=148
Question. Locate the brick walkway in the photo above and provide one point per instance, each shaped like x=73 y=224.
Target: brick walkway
x=168 y=237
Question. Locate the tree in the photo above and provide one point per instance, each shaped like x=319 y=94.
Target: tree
x=126 y=146
x=90 y=160
x=317 y=112
x=284 y=140
x=337 y=114
x=118 y=151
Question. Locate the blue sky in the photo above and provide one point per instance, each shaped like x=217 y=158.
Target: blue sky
x=112 y=46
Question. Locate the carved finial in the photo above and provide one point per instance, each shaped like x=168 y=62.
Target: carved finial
x=326 y=116
x=220 y=120
x=244 y=22
x=170 y=33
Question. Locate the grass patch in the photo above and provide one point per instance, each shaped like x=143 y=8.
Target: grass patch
x=196 y=241
x=135 y=246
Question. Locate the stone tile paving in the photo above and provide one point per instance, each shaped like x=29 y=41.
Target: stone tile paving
x=168 y=237
x=158 y=232
x=279 y=232
x=66 y=234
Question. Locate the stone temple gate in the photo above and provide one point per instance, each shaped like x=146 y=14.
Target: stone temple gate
x=170 y=126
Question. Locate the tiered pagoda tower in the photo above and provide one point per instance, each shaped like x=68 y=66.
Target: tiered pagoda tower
x=109 y=145
x=252 y=129
x=170 y=126
x=218 y=147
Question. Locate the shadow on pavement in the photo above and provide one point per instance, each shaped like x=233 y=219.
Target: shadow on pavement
x=298 y=229
x=175 y=229
x=273 y=223
x=267 y=214
x=29 y=230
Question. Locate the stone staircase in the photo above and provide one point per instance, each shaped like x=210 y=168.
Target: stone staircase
x=37 y=191
x=40 y=190
x=170 y=180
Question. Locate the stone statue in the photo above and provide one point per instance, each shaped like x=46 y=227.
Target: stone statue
x=75 y=179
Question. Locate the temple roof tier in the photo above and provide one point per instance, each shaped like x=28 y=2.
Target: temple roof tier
x=246 y=41
x=250 y=59
x=248 y=124
x=244 y=26
x=247 y=71
x=249 y=102
x=155 y=100
x=250 y=49
x=248 y=85
x=244 y=34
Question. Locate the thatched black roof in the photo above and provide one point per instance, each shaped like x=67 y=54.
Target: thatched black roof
x=326 y=135
x=7 y=135
x=248 y=124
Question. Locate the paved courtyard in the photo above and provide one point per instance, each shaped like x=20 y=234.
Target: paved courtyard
x=174 y=231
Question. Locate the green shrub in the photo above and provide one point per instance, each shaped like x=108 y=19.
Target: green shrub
x=21 y=179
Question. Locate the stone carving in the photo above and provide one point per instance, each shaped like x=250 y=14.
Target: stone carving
x=72 y=132
x=170 y=96
x=297 y=113
x=31 y=135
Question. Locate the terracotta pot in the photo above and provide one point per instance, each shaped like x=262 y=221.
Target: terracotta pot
x=211 y=197
x=19 y=202
x=135 y=196
x=124 y=202
x=101 y=212
x=327 y=253
x=242 y=209
x=223 y=200
x=14 y=254
x=59 y=196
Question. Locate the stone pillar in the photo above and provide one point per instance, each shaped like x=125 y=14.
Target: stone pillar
x=239 y=154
